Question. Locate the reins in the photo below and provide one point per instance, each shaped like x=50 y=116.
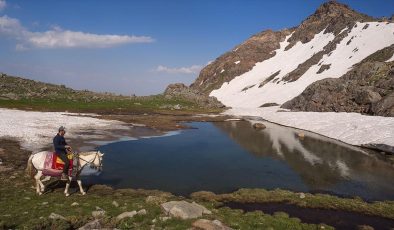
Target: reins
x=87 y=162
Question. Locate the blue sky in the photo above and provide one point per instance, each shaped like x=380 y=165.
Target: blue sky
x=137 y=47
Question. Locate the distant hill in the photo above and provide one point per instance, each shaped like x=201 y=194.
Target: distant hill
x=15 y=88
x=17 y=92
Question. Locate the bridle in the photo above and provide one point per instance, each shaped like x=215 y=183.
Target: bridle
x=96 y=155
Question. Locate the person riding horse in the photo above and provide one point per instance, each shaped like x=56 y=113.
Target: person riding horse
x=61 y=148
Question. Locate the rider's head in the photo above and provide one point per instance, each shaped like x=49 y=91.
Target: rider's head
x=62 y=130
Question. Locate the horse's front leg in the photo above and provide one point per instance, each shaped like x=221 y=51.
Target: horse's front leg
x=67 y=187
x=80 y=186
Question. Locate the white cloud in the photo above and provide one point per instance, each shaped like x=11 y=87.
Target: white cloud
x=3 y=5
x=59 y=38
x=184 y=70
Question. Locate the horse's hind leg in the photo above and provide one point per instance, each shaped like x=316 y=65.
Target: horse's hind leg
x=39 y=185
x=80 y=187
x=47 y=178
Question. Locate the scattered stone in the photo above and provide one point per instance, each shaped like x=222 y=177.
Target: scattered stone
x=44 y=203
x=142 y=212
x=204 y=224
x=74 y=204
x=126 y=215
x=25 y=213
x=27 y=198
x=98 y=214
x=259 y=126
x=165 y=218
x=155 y=200
x=154 y=220
x=55 y=216
x=95 y=224
x=184 y=209
x=12 y=177
x=114 y=203
x=302 y=195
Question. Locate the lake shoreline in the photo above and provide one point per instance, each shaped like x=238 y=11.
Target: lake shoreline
x=13 y=179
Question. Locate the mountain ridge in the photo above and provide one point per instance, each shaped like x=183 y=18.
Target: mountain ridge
x=273 y=67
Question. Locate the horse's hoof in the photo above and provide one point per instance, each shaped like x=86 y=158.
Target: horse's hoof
x=67 y=194
x=83 y=193
x=43 y=189
x=40 y=193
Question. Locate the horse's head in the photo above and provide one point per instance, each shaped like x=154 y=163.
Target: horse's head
x=97 y=161
x=93 y=159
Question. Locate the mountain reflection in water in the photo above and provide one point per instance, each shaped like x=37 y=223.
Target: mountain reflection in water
x=225 y=156
x=322 y=163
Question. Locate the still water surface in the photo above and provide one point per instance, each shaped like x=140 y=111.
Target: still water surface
x=225 y=156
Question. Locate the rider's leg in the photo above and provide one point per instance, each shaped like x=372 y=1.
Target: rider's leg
x=64 y=158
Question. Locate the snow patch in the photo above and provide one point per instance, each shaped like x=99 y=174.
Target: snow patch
x=222 y=71
x=351 y=128
x=237 y=62
x=35 y=130
x=391 y=59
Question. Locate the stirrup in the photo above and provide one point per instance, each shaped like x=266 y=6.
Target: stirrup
x=64 y=177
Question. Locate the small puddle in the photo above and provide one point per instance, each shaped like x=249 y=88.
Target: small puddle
x=337 y=218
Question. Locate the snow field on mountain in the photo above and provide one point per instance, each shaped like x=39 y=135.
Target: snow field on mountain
x=364 y=40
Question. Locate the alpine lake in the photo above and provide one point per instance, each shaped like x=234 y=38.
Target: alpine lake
x=225 y=156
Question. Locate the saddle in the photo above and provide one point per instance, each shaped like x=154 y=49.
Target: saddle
x=53 y=165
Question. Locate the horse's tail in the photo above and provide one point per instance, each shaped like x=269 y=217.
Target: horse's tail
x=30 y=167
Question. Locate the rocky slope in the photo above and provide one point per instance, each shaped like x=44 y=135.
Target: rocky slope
x=240 y=60
x=181 y=91
x=367 y=89
x=272 y=68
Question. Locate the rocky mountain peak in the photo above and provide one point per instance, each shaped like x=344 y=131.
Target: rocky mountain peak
x=332 y=17
x=333 y=9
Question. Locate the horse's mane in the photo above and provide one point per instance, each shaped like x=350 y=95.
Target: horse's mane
x=87 y=153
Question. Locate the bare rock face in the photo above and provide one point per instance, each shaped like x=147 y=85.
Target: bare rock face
x=367 y=89
x=181 y=91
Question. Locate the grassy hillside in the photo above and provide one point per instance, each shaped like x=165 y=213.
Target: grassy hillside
x=16 y=92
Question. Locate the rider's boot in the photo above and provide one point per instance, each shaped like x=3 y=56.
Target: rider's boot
x=64 y=177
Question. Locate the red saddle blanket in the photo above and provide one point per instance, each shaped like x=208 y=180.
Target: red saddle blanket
x=53 y=165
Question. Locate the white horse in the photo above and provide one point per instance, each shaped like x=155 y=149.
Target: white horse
x=36 y=161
